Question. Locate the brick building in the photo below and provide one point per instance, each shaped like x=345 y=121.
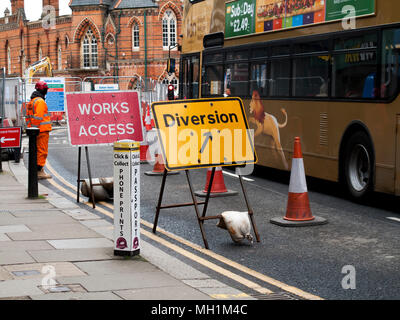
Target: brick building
x=129 y=38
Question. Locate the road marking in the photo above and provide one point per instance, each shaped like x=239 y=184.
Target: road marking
x=393 y=218
x=196 y=247
x=236 y=176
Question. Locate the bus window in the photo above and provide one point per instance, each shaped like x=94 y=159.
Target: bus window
x=310 y=47
x=190 y=77
x=351 y=72
x=280 y=78
x=310 y=76
x=258 y=78
x=280 y=50
x=354 y=66
x=236 y=78
x=212 y=78
x=367 y=40
x=390 y=62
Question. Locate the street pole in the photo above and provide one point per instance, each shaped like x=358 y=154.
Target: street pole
x=33 y=191
x=3 y=85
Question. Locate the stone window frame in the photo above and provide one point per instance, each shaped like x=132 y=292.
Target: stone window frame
x=135 y=36
x=89 y=50
x=169 y=29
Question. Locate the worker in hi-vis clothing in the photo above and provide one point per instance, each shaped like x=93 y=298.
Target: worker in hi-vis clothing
x=38 y=116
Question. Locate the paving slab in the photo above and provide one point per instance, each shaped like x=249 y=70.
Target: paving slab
x=4 y=274
x=3 y=237
x=81 y=243
x=55 y=231
x=14 y=257
x=36 y=213
x=78 y=296
x=81 y=214
x=24 y=246
x=123 y=281
x=48 y=220
x=14 y=228
x=55 y=270
x=72 y=255
x=164 y=293
x=18 y=288
x=31 y=206
x=137 y=265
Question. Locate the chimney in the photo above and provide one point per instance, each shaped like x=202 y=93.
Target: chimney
x=54 y=3
x=16 y=5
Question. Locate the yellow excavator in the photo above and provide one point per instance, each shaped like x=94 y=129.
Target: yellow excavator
x=41 y=65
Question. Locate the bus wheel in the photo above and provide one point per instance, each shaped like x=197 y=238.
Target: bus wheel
x=358 y=166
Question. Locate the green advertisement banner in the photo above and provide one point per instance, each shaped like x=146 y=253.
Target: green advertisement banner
x=243 y=17
x=334 y=8
x=240 y=18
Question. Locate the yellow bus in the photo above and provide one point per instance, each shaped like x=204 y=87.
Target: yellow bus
x=324 y=70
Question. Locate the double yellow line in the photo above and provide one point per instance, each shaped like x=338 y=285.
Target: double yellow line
x=250 y=284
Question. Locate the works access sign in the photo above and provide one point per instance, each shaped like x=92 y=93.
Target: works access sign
x=103 y=118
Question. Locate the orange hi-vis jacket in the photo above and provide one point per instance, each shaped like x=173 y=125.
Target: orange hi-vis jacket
x=37 y=115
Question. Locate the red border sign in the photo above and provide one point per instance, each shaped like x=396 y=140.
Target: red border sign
x=103 y=118
x=10 y=137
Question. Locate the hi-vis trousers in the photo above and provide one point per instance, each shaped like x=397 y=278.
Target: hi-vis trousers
x=42 y=143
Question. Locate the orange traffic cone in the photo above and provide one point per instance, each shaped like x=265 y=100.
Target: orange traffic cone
x=159 y=167
x=298 y=212
x=144 y=148
x=218 y=188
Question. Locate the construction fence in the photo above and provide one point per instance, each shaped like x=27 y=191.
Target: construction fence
x=16 y=92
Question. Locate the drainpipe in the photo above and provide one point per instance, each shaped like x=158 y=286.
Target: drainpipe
x=116 y=42
x=145 y=49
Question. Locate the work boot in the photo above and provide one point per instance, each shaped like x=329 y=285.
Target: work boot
x=43 y=175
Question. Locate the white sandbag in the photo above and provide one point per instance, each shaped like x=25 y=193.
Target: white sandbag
x=100 y=194
x=238 y=225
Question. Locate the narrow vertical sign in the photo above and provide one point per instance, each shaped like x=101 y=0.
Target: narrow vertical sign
x=126 y=198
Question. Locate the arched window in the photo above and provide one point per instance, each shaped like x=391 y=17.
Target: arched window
x=39 y=52
x=172 y=80
x=89 y=50
x=168 y=29
x=59 y=55
x=8 y=59
x=135 y=36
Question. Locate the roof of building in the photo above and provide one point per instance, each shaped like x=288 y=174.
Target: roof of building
x=116 y=4
x=127 y=4
x=76 y=3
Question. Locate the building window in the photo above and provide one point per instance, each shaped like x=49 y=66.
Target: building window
x=8 y=60
x=135 y=36
x=169 y=29
x=59 y=55
x=39 y=52
x=172 y=80
x=89 y=50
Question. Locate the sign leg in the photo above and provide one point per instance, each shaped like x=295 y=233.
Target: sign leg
x=78 y=181
x=250 y=210
x=164 y=178
x=90 y=177
x=197 y=209
x=208 y=193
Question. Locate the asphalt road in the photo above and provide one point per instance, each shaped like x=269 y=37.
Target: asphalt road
x=313 y=259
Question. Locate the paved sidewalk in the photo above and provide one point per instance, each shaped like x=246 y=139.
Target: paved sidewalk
x=52 y=249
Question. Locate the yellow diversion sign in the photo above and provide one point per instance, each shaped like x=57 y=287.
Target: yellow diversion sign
x=203 y=133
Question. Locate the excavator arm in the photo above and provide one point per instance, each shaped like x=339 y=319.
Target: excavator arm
x=41 y=65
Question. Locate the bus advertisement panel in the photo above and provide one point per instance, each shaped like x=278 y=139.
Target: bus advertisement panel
x=244 y=17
